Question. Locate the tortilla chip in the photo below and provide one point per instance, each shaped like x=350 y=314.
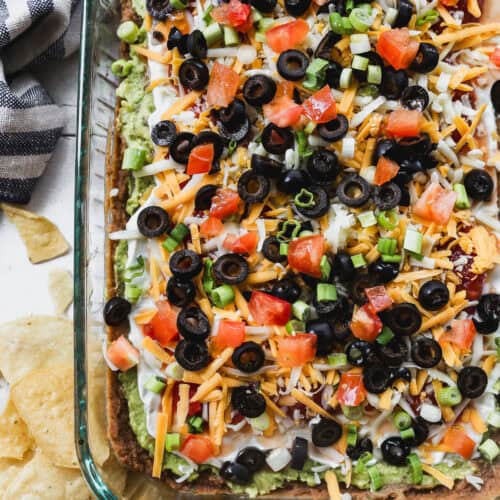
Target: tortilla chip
x=115 y=475
x=44 y=399
x=42 y=238
x=15 y=439
x=9 y=469
x=61 y=289
x=37 y=342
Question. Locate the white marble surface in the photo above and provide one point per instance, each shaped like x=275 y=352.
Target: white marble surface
x=24 y=286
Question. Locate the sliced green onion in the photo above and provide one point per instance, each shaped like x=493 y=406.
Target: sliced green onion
x=402 y=420
x=170 y=244
x=260 y=423
x=231 y=36
x=394 y=259
x=231 y=147
x=256 y=15
x=374 y=74
x=315 y=74
x=493 y=419
x=489 y=449
x=172 y=442
x=325 y=267
x=360 y=62
x=335 y=20
x=301 y=310
x=352 y=435
x=261 y=38
x=337 y=359
x=179 y=232
x=128 y=31
x=195 y=424
x=303 y=144
x=174 y=371
x=361 y=20
x=295 y=325
x=368 y=90
x=416 y=468
x=431 y=16
x=388 y=219
x=213 y=34
x=358 y=260
x=265 y=24
x=208 y=277
x=407 y=433
x=449 y=396
x=304 y=199
x=360 y=43
x=462 y=198
x=132 y=293
x=386 y=335
x=309 y=128
x=367 y=219
x=366 y=7
x=305 y=233
x=325 y=292
x=391 y=16
x=375 y=478
x=387 y=246
x=352 y=412
x=283 y=248
x=289 y=230
x=345 y=78
x=413 y=241
x=222 y=296
x=349 y=5
x=154 y=384
x=134 y=158
x=178 y=4
x=122 y=68
x=362 y=461
x=346 y=26
x=207 y=15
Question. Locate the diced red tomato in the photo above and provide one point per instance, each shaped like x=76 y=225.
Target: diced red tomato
x=449 y=3
x=194 y=406
x=462 y=333
x=200 y=159
x=351 y=391
x=365 y=323
x=288 y=35
x=457 y=440
x=283 y=111
x=269 y=310
x=305 y=254
x=222 y=86
x=230 y=334
x=234 y=13
x=163 y=326
x=211 y=227
x=495 y=57
x=243 y=244
x=403 y=123
x=197 y=448
x=321 y=106
x=378 y=298
x=296 y=350
x=435 y=204
x=225 y=203
x=385 y=171
x=123 y=354
x=397 y=47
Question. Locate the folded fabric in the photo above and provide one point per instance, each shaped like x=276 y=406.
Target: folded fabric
x=32 y=32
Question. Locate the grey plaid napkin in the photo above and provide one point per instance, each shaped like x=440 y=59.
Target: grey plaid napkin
x=32 y=32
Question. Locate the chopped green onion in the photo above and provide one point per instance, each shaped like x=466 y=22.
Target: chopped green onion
x=352 y=412
x=231 y=147
x=195 y=424
x=368 y=90
x=122 y=68
x=360 y=19
x=416 y=468
x=462 y=198
x=337 y=359
x=358 y=260
x=325 y=292
x=391 y=16
x=349 y=5
x=360 y=44
x=386 y=335
x=360 y=62
x=174 y=371
x=345 y=78
x=303 y=144
x=335 y=20
x=179 y=232
x=402 y=420
x=315 y=74
x=256 y=15
x=134 y=158
x=261 y=38
x=374 y=74
x=170 y=244
x=449 y=396
x=289 y=230
x=231 y=36
x=407 y=433
x=283 y=248
x=413 y=241
x=132 y=292
x=352 y=435
x=265 y=24
x=213 y=34
x=362 y=461
x=309 y=128
x=325 y=267
x=489 y=449
x=431 y=16
x=222 y=296
x=395 y=259
x=301 y=310
x=346 y=26
x=493 y=419
x=128 y=31
x=207 y=15
x=375 y=478
x=172 y=442
x=208 y=277
x=304 y=199
x=387 y=246
x=305 y=233
x=295 y=325
x=178 y=4
x=154 y=384
x=388 y=219
x=366 y=7
x=260 y=423
x=367 y=219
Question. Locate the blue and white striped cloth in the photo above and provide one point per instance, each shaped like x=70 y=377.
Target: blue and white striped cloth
x=32 y=32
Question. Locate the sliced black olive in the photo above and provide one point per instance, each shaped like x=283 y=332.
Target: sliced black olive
x=400 y=372
x=116 y=311
x=252 y=458
x=354 y=191
x=247 y=401
x=193 y=74
x=185 y=264
x=343 y=267
x=487 y=326
x=299 y=453
x=332 y=74
x=334 y=130
x=271 y=249
x=472 y=381
x=325 y=338
x=252 y=187
x=478 y=184
x=361 y=353
x=374 y=59
x=292 y=181
x=394 y=352
x=182 y=47
x=363 y=445
x=489 y=306
x=263 y=165
x=395 y=450
x=174 y=38
x=495 y=96
x=320 y=206
x=427 y=58
x=410 y=166
x=193 y=324
x=322 y=165
x=292 y=65
x=180 y=293
x=405 y=11
x=426 y=352
x=415 y=97
x=231 y=269
x=277 y=140
x=259 y=90
x=376 y=378
x=404 y=318
x=181 y=147
x=402 y=178
x=357 y=287
x=197 y=44
x=384 y=271
x=387 y=196
x=325 y=46
x=235 y=472
x=236 y=132
x=341 y=329
x=159 y=9
x=209 y=137
x=204 y=196
x=326 y=432
x=393 y=82
x=265 y=6
x=412 y=147
x=286 y=289
x=153 y=221
x=248 y=357
x=192 y=356
x=164 y=133
x=233 y=113
x=421 y=430
x=383 y=147
x=433 y=295
x=297 y=7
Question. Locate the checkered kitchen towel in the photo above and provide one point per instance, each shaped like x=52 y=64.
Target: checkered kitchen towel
x=32 y=32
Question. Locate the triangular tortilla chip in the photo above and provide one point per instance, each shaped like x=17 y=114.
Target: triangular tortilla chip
x=61 y=289
x=15 y=439
x=42 y=238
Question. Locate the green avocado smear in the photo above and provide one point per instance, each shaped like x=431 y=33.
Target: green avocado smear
x=264 y=482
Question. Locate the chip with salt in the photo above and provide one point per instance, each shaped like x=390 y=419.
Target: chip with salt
x=42 y=238
x=61 y=289
x=9 y=469
x=44 y=399
x=15 y=439
x=35 y=342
